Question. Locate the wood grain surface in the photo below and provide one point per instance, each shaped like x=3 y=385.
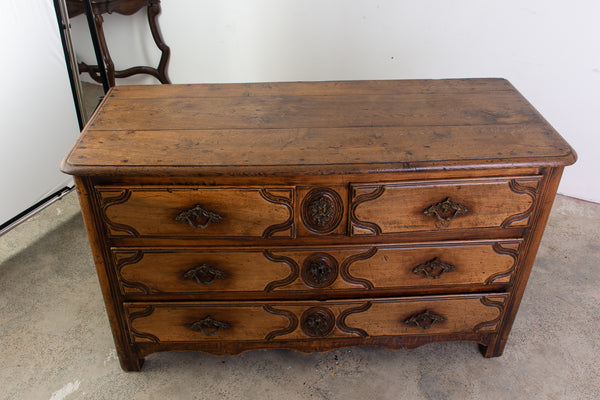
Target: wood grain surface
x=316 y=215
x=170 y=322
x=400 y=207
x=315 y=127
x=154 y=211
x=276 y=273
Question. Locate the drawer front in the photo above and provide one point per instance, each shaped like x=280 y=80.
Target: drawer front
x=220 y=321
x=442 y=205
x=270 y=272
x=198 y=212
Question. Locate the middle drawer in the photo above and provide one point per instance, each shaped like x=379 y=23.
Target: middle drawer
x=269 y=273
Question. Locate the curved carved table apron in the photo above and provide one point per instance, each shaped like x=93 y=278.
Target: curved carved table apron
x=124 y=7
x=314 y=215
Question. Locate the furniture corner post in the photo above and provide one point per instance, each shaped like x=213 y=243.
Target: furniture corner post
x=547 y=190
x=128 y=355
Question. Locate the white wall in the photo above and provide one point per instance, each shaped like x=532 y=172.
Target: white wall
x=549 y=49
x=38 y=123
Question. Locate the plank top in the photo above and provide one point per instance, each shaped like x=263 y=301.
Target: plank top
x=314 y=128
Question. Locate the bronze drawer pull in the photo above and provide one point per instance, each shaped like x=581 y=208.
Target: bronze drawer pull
x=209 y=326
x=446 y=210
x=204 y=274
x=196 y=214
x=424 y=320
x=430 y=266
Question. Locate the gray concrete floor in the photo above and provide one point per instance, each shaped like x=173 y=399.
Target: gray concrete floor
x=56 y=343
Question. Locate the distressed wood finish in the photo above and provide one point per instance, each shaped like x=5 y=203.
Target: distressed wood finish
x=169 y=322
x=258 y=273
x=316 y=215
x=263 y=130
x=171 y=211
x=392 y=208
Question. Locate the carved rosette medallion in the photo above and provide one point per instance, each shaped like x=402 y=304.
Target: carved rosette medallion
x=321 y=210
x=319 y=270
x=317 y=322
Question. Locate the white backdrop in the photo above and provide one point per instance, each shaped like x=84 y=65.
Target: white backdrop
x=549 y=49
x=38 y=123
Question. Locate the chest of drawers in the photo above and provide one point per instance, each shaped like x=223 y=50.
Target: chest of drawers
x=312 y=216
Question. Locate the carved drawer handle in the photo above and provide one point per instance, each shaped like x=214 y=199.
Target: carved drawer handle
x=430 y=266
x=424 y=320
x=208 y=326
x=194 y=217
x=445 y=211
x=204 y=274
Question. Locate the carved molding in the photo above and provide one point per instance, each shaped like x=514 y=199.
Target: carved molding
x=294 y=271
x=490 y=303
x=407 y=342
x=345 y=267
x=112 y=201
x=292 y=322
x=319 y=270
x=321 y=210
x=122 y=262
x=317 y=322
x=357 y=201
x=135 y=333
x=518 y=188
x=504 y=251
x=341 y=320
x=287 y=203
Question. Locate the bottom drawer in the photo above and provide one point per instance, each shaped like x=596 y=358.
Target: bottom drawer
x=282 y=321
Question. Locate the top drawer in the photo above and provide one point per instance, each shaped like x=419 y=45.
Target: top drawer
x=379 y=209
x=197 y=212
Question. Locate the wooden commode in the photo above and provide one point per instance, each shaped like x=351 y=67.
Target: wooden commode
x=315 y=215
